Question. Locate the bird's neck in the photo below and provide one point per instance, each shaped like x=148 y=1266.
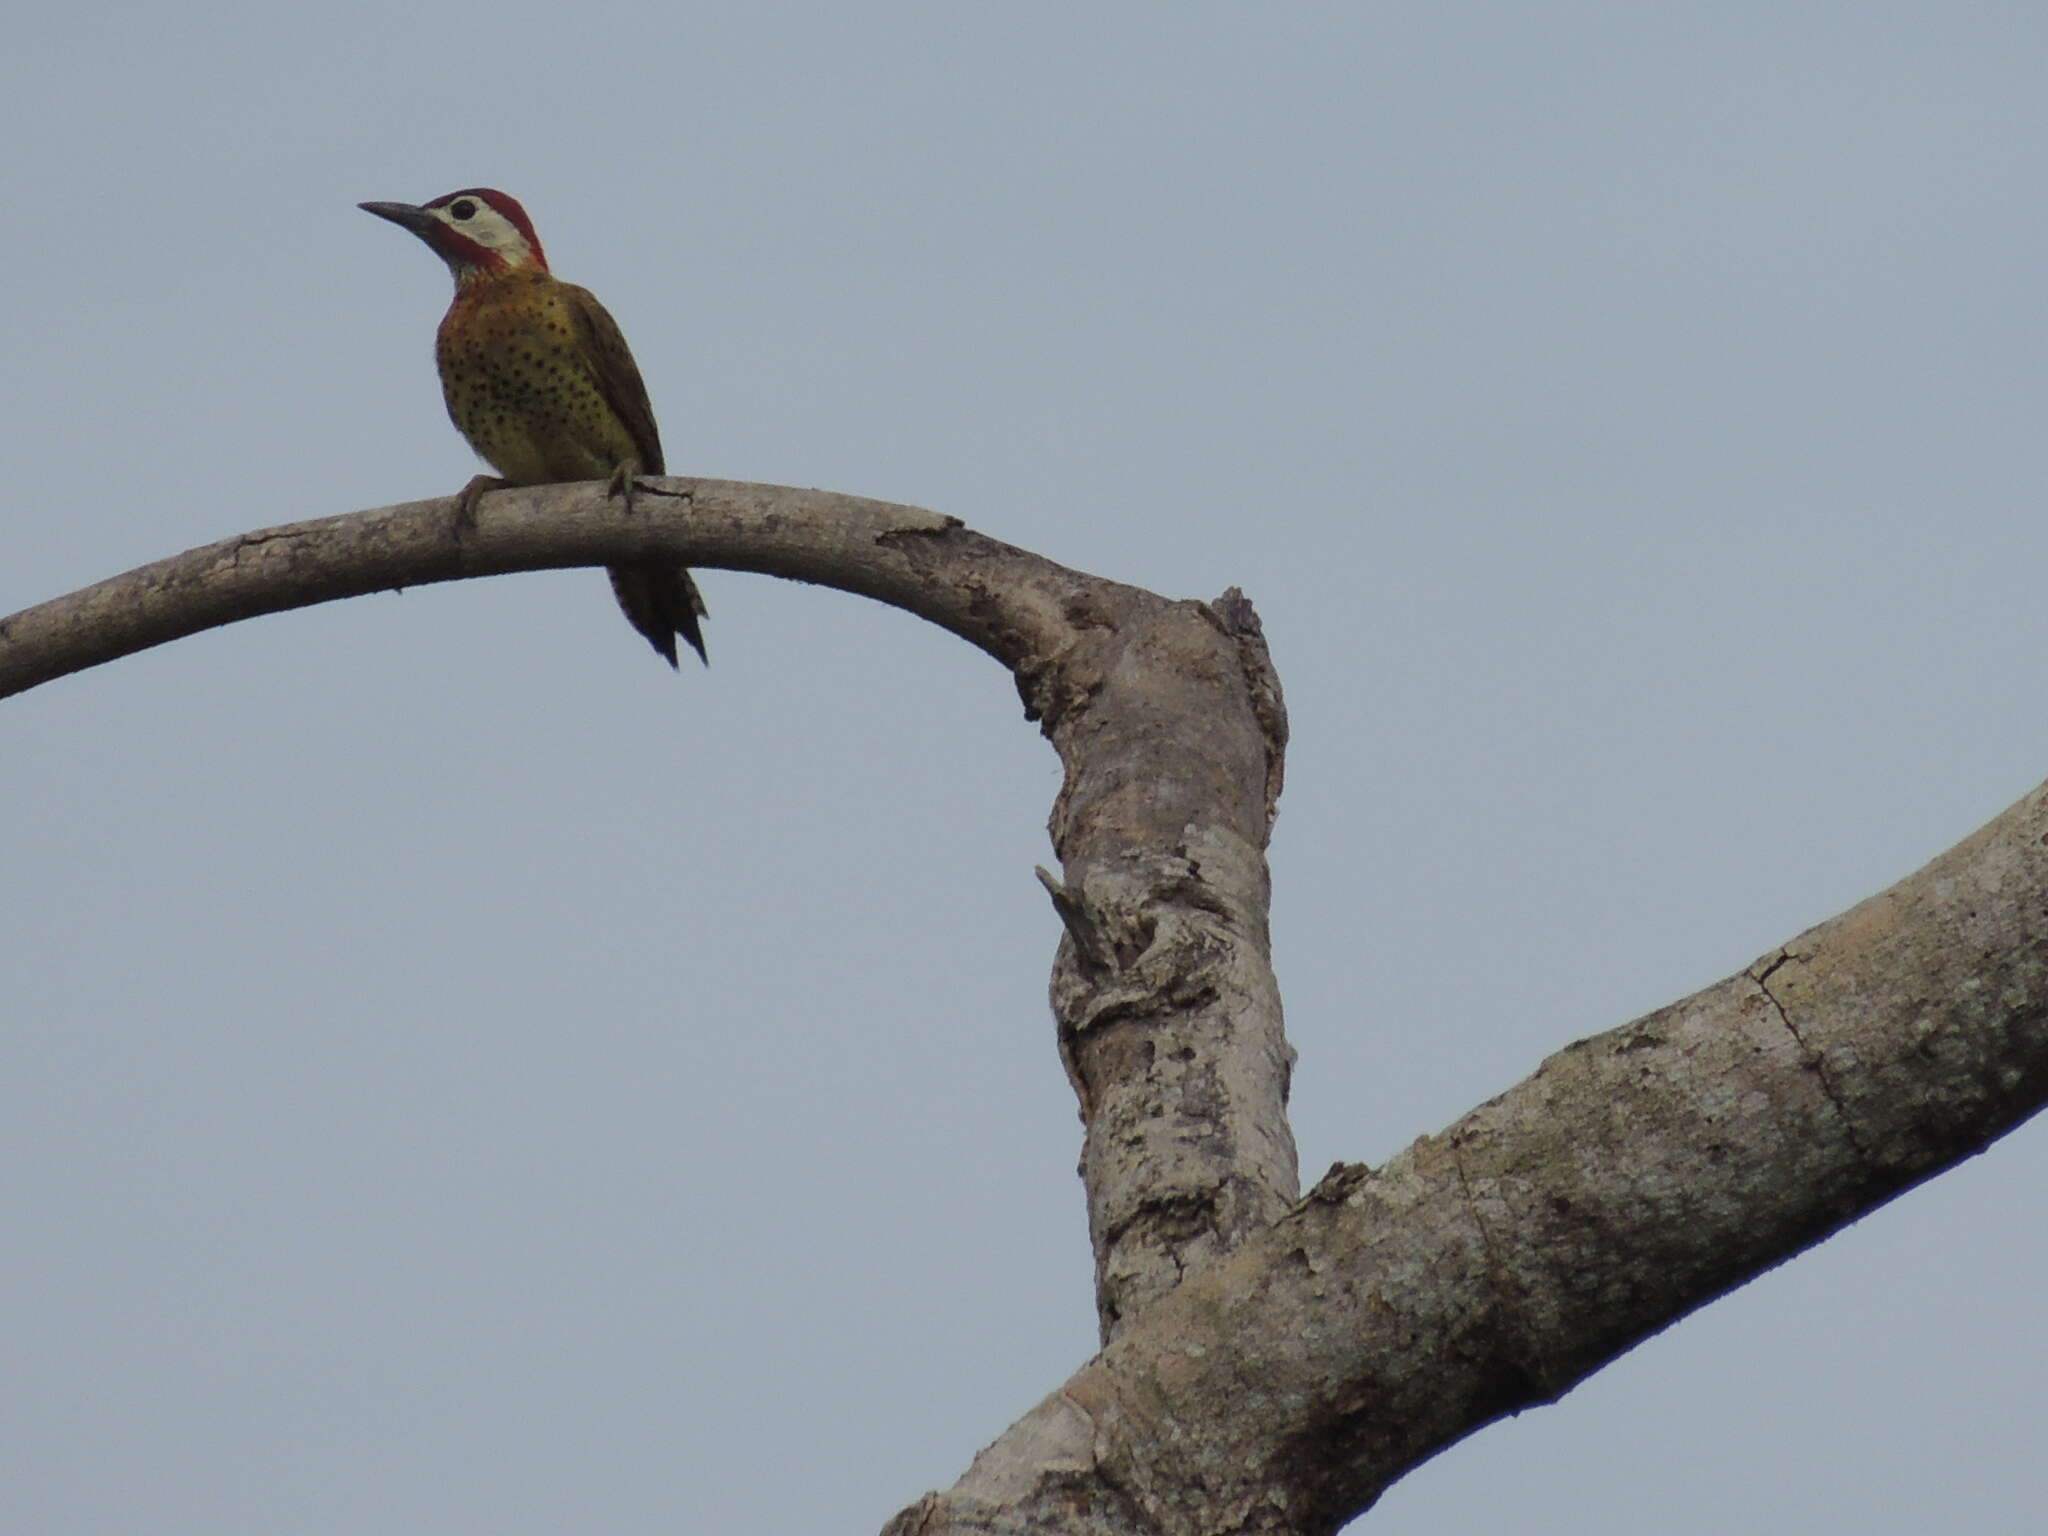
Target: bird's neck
x=476 y=276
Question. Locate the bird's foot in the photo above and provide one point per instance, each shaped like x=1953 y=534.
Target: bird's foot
x=623 y=485
x=467 y=498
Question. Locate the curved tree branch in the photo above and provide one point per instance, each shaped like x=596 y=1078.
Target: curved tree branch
x=857 y=545
x=1166 y=715
x=1316 y=1350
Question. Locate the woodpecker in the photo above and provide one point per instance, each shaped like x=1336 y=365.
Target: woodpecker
x=538 y=378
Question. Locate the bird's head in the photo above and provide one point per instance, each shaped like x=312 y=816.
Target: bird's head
x=477 y=231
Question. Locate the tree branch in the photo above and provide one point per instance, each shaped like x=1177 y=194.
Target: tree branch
x=1636 y=1176
x=862 y=546
x=1274 y=1366
x=1166 y=715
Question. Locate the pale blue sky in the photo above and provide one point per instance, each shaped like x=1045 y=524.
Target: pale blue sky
x=457 y=1076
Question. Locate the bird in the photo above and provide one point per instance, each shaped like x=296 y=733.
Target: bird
x=537 y=376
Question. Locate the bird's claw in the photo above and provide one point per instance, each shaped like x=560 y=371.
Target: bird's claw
x=623 y=485
x=467 y=498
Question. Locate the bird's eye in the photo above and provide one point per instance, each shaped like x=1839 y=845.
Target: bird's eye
x=462 y=209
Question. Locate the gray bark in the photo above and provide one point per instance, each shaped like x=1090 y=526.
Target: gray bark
x=1637 y=1175
x=1273 y=1364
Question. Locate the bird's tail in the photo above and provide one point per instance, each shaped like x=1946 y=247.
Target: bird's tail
x=661 y=601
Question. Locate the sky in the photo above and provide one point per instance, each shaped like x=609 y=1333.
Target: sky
x=456 y=1075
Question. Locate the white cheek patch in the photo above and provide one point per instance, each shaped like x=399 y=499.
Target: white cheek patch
x=493 y=231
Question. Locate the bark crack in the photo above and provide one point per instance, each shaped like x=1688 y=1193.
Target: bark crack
x=1472 y=1204
x=1496 y=1267
x=1815 y=1060
x=1512 y=1362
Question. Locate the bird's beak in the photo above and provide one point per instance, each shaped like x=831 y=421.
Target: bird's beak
x=406 y=216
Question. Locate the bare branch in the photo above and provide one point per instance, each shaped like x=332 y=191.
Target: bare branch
x=1635 y=1177
x=860 y=546
x=1165 y=714
x=1272 y=1366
